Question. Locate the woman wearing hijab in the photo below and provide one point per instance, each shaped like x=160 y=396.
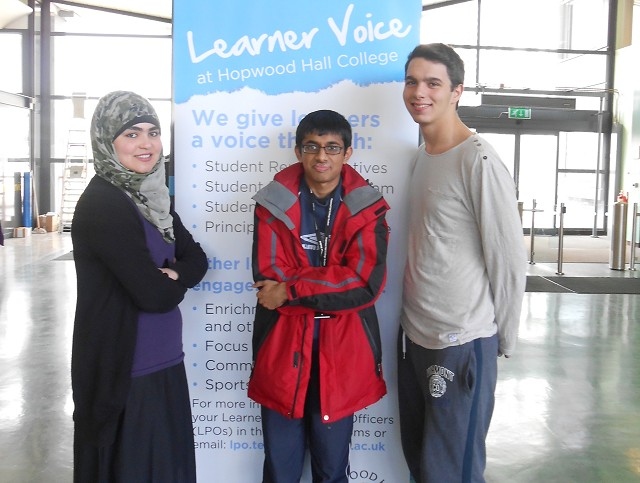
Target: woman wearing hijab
x=134 y=262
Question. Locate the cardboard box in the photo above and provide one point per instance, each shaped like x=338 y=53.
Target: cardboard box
x=21 y=232
x=51 y=222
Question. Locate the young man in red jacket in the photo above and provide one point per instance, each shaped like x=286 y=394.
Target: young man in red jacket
x=319 y=262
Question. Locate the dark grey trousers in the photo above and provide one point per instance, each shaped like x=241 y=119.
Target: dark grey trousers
x=446 y=399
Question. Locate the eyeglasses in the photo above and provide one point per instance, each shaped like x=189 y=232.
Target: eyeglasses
x=315 y=149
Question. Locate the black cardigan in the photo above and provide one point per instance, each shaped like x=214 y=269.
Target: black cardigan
x=116 y=278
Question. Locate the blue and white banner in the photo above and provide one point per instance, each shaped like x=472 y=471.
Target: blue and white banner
x=245 y=73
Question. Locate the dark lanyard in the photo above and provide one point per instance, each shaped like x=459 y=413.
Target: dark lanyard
x=323 y=238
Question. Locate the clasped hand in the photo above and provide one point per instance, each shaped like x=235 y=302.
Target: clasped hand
x=271 y=294
x=169 y=272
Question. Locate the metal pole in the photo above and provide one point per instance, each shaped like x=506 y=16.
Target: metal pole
x=17 y=200
x=533 y=214
x=561 y=239
x=634 y=226
x=594 y=233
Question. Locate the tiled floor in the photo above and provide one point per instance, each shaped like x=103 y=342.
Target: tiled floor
x=37 y=303
x=568 y=402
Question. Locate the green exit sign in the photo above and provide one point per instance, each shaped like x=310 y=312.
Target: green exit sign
x=519 y=113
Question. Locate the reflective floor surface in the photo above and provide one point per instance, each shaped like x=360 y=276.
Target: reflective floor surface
x=567 y=407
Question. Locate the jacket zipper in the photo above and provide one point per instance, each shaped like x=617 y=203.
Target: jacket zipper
x=297 y=364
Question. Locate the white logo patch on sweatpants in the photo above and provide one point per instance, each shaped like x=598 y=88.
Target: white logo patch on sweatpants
x=437 y=377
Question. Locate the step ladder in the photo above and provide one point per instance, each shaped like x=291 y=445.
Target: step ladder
x=74 y=178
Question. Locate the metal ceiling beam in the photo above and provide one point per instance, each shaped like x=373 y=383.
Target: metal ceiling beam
x=114 y=10
x=444 y=3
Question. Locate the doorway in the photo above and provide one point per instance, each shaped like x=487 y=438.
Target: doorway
x=553 y=168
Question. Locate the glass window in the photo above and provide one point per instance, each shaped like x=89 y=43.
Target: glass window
x=578 y=150
x=567 y=24
x=507 y=23
x=538 y=155
x=11 y=62
x=577 y=191
x=14 y=158
x=14 y=132
x=97 y=65
x=572 y=24
x=504 y=144
x=454 y=24
x=63 y=121
x=541 y=70
x=585 y=24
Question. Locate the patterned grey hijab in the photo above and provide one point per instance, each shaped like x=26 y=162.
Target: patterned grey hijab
x=114 y=113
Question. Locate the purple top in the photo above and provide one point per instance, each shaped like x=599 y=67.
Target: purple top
x=159 y=342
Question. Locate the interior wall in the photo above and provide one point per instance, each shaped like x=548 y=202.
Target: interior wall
x=628 y=91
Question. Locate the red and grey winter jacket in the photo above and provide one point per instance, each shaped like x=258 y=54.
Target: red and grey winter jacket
x=350 y=357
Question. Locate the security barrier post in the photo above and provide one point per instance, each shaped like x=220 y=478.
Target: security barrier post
x=561 y=239
x=618 y=253
x=533 y=211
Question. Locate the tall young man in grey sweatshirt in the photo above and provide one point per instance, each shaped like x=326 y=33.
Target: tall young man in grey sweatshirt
x=464 y=279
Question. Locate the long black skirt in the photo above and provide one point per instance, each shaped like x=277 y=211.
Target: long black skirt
x=155 y=438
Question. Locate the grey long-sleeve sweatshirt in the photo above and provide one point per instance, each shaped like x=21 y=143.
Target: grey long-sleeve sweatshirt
x=466 y=265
